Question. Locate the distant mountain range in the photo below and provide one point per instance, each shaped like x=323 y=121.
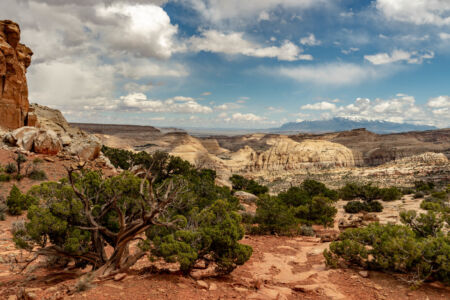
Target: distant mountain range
x=343 y=124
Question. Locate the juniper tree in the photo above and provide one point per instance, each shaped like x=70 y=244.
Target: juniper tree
x=180 y=216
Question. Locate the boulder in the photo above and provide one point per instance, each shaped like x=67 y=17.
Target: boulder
x=246 y=197
x=22 y=137
x=86 y=148
x=47 y=142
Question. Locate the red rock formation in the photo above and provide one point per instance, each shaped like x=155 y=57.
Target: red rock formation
x=14 y=61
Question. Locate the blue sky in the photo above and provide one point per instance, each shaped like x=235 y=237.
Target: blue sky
x=238 y=64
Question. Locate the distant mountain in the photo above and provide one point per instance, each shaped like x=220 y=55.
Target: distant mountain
x=343 y=124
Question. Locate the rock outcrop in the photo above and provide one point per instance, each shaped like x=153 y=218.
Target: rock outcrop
x=15 y=58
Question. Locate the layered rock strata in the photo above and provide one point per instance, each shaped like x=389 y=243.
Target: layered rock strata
x=15 y=58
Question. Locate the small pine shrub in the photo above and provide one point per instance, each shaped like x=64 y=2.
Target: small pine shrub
x=5 y=177
x=15 y=201
x=11 y=168
x=36 y=174
x=391 y=194
x=306 y=230
x=84 y=283
x=354 y=207
x=418 y=195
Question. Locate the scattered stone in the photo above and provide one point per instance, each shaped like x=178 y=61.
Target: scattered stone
x=213 y=287
x=202 y=284
x=49 y=159
x=120 y=276
x=303 y=289
x=364 y=274
x=240 y=289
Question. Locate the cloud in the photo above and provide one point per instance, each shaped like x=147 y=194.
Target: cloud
x=87 y=51
x=337 y=74
x=139 y=102
x=227 y=106
x=206 y=94
x=264 y=16
x=310 y=40
x=246 y=117
x=419 y=12
x=439 y=102
x=320 y=106
x=234 y=43
x=444 y=36
x=218 y=11
x=400 y=109
x=398 y=56
x=350 y=50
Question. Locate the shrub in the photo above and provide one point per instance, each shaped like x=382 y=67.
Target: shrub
x=390 y=194
x=241 y=183
x=3 y=210
x=365 y=192
x=11 y=168
x=184 y=215
x=353 y=207
x=442 y=195
x=418 y=195
x=274 y=216
x=5 y=177
x=37 y=175
x=306 y=230
x=422 y=186
x=17 y=202
x=419 y=249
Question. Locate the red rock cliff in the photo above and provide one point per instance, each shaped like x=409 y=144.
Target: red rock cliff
x=14 y=61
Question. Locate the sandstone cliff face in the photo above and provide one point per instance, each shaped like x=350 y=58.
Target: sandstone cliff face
x=286 y=154
x=15 y=58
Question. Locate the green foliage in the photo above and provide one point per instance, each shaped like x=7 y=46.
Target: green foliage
x=368 y=192
x=5 y=177
x=274 y=216
x=418 y=195
x=217 y=237
x=422 y=186
x=419 y=249
x=3 y=210
x=353 y=207
x=118 y=157
x=15 y=201
x=241 y=183
x=202 y=219
x=316 y=188
x=10 y=168
x=37 y=175
x=391 y=194
x=308 y=204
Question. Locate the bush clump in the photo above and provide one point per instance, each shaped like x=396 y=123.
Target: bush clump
x=419 y=248
x=241 y=183
x=308 y=204
x=17 y=202
x=368 y=192
x=354 y=207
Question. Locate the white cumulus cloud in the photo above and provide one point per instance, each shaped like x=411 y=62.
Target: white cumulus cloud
x=398 y=56
x=434 y=12
x=234 y=43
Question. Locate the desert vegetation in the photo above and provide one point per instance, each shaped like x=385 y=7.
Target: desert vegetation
x=20 y=167
x=174 y=212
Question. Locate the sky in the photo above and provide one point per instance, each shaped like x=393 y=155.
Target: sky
x=238 y=64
